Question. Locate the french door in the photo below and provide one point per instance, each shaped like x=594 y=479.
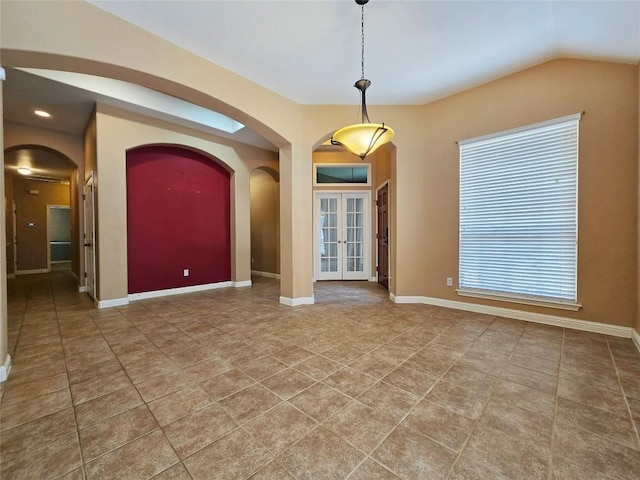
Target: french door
x=342 y=236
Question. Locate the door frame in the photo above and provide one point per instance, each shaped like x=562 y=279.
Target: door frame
x=316 y=229
x=377 y=276
x=89 y=248
x=49 y=207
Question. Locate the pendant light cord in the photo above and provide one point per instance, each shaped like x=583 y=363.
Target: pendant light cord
x=362 y=39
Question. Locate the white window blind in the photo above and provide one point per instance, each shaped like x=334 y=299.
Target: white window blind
x=518 y=212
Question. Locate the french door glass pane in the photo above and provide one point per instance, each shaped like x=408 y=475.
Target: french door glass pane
x=355 y=234
x=329 y=235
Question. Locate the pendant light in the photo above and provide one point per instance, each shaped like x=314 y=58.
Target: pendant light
x=364 y=138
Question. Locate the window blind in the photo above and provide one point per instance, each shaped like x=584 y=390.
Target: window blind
x=518 y=212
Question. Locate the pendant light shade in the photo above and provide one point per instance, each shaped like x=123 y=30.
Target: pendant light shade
x=364 y=138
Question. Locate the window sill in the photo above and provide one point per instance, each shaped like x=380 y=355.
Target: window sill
x=538 y=302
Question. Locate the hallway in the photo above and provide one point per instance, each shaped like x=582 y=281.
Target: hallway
x=229 y=384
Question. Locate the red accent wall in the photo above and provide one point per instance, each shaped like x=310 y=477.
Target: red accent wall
x=178 y=217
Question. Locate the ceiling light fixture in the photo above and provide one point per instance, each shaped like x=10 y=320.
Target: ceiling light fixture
x=363 y=138
x=24 y=171
x=42 y=113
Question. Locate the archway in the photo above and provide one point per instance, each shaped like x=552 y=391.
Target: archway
x=40 y=185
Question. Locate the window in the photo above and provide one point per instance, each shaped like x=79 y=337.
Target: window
x=341 y=174
x=518 y=214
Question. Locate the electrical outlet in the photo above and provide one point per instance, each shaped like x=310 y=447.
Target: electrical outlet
x=185 y=272
x=449 y=282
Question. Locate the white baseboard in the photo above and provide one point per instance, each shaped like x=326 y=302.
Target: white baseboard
x=30 y=272
x=11 y=275
x=82 y=289
x=115 y=302
x=586 y=325
x=5 y=369
x=243 y=283
x=265 y=274
x=180 y=290
x=635 y=336
x=373 y=279
x=294 y=302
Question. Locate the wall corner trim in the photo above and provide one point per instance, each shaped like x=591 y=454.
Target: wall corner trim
x=114 y=302
x=635 y=336
x=243 y=283
x=294 y=302
x=585 y=325
x=5 y=369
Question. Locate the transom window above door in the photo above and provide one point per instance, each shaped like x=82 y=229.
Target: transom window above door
x=341 y=174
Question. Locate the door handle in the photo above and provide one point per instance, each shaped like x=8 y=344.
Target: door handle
x=88 y=245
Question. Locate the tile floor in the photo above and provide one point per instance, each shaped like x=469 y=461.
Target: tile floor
x=229 y=384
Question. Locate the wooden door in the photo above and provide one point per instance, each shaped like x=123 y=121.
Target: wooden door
x=382 y=236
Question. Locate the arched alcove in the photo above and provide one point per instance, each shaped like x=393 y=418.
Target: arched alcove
x=265 y=222
x=178 y=219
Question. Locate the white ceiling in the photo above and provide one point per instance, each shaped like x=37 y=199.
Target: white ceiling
x=416 y=51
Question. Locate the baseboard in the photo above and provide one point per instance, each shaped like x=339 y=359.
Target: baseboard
x=265 y=274
x=243 y=283
x=30 y=272
x=115 y=302
x=5 y=369
x=585 y=325
x=635 y=336
x=82 y=289
x=294 y=302
x=180 y=290
x=11 y=275
x=373 y=279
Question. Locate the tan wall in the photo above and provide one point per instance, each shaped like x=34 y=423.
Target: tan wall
x=4 y=340
x=424 y=164
x=30 y=208
x=117 y=132
x=265 y=222
x=638 y=306
x=607 y=183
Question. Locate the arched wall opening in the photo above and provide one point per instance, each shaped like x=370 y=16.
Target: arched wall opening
x=265 y=222
x=178 y=219
x=335 y=254
x=41 y=211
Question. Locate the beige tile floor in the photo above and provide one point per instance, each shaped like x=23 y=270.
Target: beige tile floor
x=229 y=384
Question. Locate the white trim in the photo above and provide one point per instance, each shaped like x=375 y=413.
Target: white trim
x=294 y=302
x=635 y=336
x=82 y=289
x=3 y=74
x=178 y=291
x=243 y=283
x=373 y=279
x=265 y=274
x=11 y=275
x=524 y=300
x=585 y=325
x=114 y=302
x=5 y=369
x=29 y=272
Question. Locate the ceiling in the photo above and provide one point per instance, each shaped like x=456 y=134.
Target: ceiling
x=416 y=51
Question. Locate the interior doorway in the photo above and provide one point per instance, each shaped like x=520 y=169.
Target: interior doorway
x=59 y=237
x=382 y=235
x=89 y=237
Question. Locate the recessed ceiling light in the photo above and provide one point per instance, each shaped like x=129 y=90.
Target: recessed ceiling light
x=24 y=171
x=42 y=113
